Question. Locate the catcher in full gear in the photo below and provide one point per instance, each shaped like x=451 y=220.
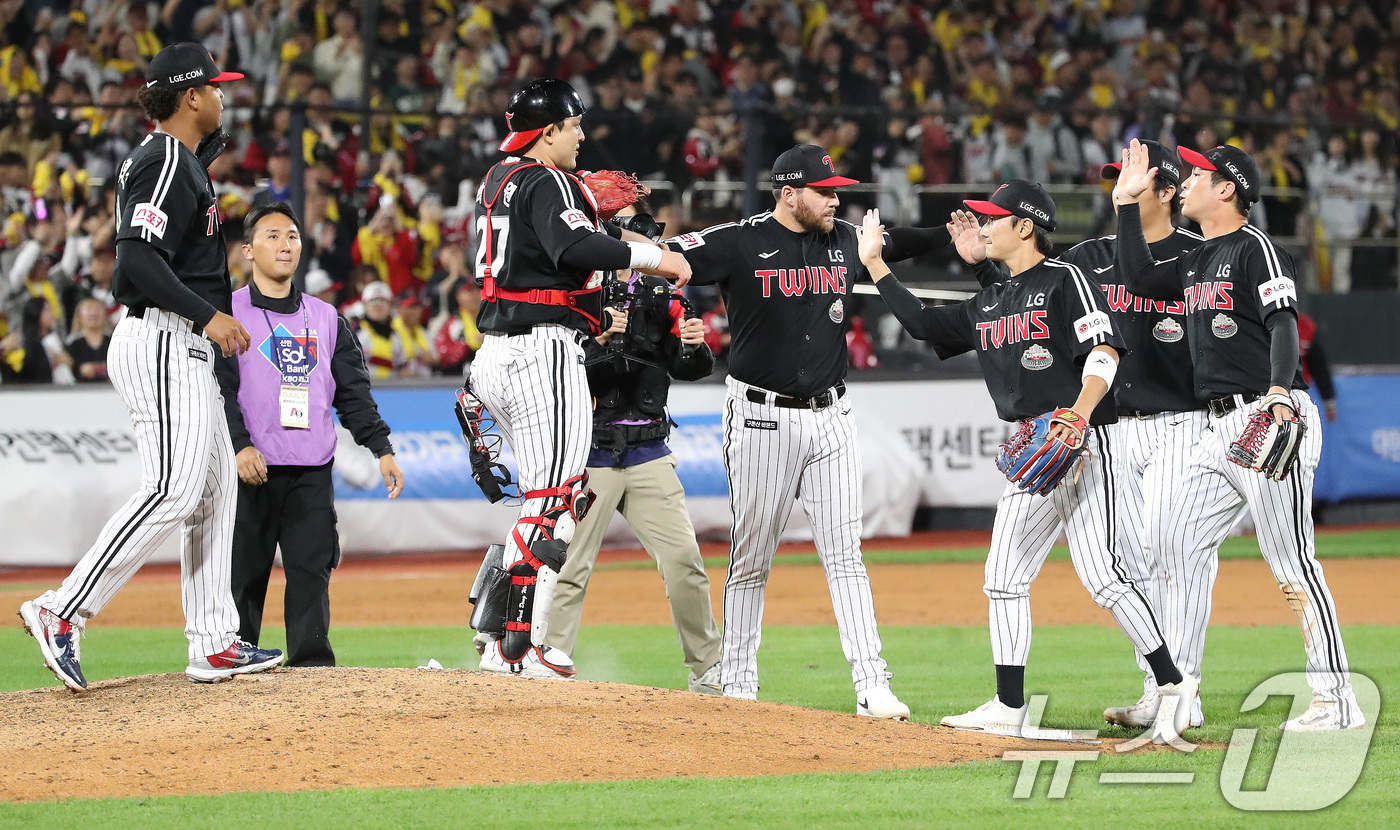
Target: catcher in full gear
x=542 y=253
x=1042 y=337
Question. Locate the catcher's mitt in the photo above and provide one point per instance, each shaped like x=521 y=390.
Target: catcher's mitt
x=613 y=190
x=1266 y=445
x=1035 y=461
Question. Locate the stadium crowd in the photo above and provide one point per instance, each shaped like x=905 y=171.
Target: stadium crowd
x=941 y=92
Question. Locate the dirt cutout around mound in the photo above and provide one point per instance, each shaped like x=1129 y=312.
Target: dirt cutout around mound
x=317 y=729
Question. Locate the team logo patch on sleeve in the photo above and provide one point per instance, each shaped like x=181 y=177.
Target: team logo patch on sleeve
x=151 y=218
x=689 y=240
x=1277 y=291
x=1224 y=327
x=1036 y=358
x=575 y=219
x=1168 y=330
x=1091 y=325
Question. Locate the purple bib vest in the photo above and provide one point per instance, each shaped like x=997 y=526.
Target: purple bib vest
x=297 y=350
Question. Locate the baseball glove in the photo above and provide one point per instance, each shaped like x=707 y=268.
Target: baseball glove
x=1036 y=462
x=211 y=147
x=613 y=190
x=1266 y=445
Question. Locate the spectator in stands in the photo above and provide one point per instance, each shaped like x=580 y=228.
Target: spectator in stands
x=384 y=349
x=1011 y=155
x=89 y=342
x=420 y=358
x=455 y=335
x=1339 y=208
x=1283 y=169
x=320 y=285
x=279 y=178
x=389 y=247
x=1054 y=150
x=30 y=131
x=35 y=354
x=339 y=59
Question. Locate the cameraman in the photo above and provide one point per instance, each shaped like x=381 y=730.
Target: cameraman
x=630 y=468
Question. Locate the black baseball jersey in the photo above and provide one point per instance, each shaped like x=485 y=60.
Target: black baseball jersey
x=1230 y=284
x=1031 y=334
x=1154 y=374
x=785 y=294
x=165 y=198
x=538 y=213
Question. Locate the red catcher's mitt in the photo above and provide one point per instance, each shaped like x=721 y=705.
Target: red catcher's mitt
x=613 y=190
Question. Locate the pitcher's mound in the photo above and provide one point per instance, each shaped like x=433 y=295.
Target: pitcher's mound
x=300 y=729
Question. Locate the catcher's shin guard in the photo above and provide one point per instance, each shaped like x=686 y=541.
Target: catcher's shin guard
x=531 y=594
x=534 y=575
x=551 y=553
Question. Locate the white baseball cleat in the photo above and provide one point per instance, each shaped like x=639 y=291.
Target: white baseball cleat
x=880 y=702
x=1327 y=716
x=991 y=713
x=742 y=695
x=540 y=661
x=707 y=683
x=1184 y=695
x=1143 y=714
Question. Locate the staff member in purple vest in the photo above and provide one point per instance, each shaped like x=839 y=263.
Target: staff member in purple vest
x=278 y=398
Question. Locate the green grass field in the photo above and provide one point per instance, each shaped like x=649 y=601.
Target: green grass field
x=938 y=670
x=1352 y=544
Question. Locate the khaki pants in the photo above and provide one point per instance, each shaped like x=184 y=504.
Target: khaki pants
x=649 y=496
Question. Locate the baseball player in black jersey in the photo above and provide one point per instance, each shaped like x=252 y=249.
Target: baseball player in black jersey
x=1041 y=337
x=1242 y=328
x=541 y=258
x=788 y=433
x=172 y=274
x=1159 y=419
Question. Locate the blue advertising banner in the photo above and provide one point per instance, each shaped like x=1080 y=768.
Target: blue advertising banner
x=429 y=447
x=1361 y=449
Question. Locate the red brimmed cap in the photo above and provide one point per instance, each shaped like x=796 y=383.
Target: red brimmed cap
x=185 y=66
x=1165 y=159
x=807 y=165
x=1018 y=197
x=1233 y=162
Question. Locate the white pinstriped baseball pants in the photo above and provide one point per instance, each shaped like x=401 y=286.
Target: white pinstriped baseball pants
x=535 y=387
x=1149 y=463
x=775 y=456
x=189 y=480
x=1208 y=499
x=1026 y=527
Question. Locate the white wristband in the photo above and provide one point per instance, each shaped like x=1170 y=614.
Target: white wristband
x=1100 y=365
x=645 y=254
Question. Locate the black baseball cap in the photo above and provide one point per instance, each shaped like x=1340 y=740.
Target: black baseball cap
x=807 y=165
x=1235 y=163
x=1165 y=159
x=1018 y=197
x=185 y=66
